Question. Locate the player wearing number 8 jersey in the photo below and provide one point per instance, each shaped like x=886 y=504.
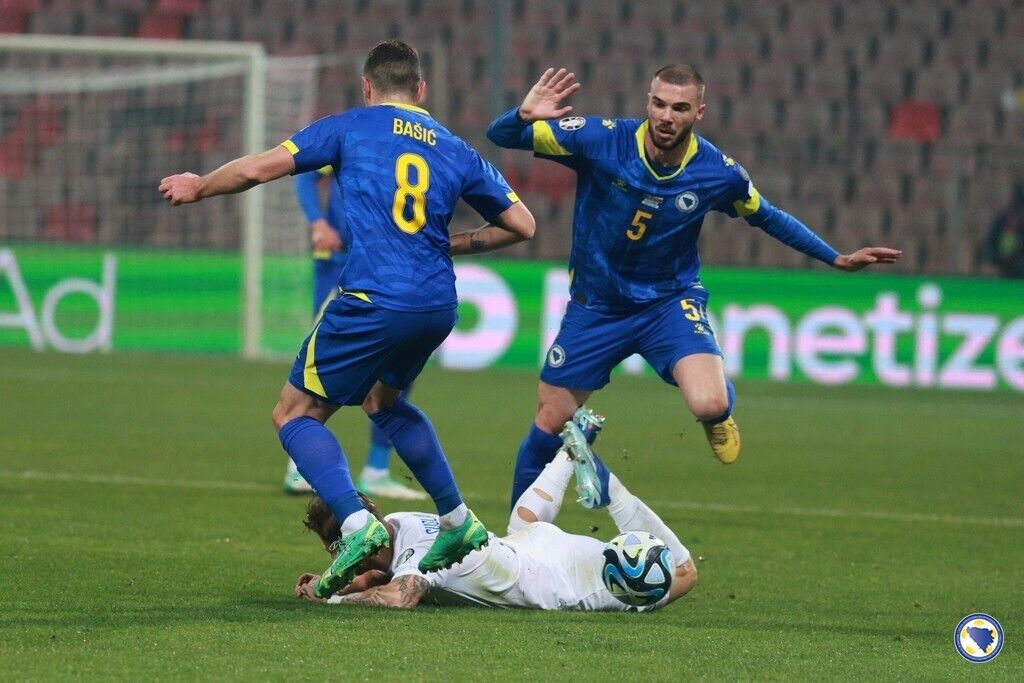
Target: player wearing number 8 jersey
x=400 y=174
x=643 y=189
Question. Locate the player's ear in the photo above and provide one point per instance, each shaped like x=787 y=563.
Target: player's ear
x=367 y=90
x=421 y=92
x=700 y=111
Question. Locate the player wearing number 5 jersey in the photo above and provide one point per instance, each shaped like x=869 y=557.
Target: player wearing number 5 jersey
x=643 y=189
x=400 y=174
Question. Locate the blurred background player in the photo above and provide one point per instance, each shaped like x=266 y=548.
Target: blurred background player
x=643 y=189
x=536 y=565
x=329 y=242
x=402 y=175
x=1004 y=245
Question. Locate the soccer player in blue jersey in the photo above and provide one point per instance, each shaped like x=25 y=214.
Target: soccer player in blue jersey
x=327 y=234
x=643 y=188
x=401 y=173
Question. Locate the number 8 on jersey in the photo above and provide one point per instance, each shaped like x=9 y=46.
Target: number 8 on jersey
x=407 y=189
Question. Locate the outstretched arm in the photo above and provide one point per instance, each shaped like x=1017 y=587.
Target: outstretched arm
x=305 y=586
x=790 y=231
x=235 y=176
x=404 y=592
x=515 y=224
x=862 y=258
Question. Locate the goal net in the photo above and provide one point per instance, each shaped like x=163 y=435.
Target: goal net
x=89 y=126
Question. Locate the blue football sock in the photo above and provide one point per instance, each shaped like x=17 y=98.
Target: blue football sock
x=321 y=462
x=415 y=441
x=536 y=451
x=731 y=392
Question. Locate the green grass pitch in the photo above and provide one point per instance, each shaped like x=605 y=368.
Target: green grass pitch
x=143 y=534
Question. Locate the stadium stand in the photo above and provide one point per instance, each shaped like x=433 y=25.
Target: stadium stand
x=857 y=117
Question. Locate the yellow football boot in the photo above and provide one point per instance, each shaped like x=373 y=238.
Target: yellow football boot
x=724 y=438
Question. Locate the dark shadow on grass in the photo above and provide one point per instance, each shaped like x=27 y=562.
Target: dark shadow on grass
x=285 y=609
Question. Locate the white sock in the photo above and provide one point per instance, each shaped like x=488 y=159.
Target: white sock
x=373 y=473
x=631 y=514
x=455 y=517
x=553 y=480
x=354 y=522
x=292 y=469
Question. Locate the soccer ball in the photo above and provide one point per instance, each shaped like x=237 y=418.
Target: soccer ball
x=638 y=568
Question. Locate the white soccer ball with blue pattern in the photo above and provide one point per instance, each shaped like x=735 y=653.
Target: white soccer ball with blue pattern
x=638 y=568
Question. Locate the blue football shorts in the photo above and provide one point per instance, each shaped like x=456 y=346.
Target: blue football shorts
x=355 y=344
x=589 y=344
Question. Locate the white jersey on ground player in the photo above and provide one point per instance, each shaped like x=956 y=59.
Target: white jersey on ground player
x=535 y=566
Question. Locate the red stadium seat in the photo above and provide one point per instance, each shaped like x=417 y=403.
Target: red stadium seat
x=14 y=153
x=159 y=25
x=915 y=120
x=70 y=222
x=13 y=21
x=181 y=7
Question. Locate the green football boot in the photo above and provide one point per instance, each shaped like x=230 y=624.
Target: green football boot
x=451 y=545
x=352 y=550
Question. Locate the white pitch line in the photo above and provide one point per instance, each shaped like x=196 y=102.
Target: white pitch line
x=844 y=514
x=118 y=480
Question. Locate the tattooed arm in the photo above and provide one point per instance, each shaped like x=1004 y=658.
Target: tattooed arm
x=404 y=592
x=513 y=225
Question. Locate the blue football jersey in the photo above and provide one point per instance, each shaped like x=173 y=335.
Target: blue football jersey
x=636 y=224
x=400 y=175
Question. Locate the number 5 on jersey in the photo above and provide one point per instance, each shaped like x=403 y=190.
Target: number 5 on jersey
x=639 y=227
x=407 y=166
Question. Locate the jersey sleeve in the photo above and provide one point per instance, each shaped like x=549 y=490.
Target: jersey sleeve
x=485 y=189
x=318 y=144
x=562 y=140
x=409 y=566
x=744 y=201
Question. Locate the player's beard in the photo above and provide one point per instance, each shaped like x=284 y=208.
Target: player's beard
x=674 y=142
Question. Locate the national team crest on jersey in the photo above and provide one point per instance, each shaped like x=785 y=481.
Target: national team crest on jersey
x=687 y=202
x=571 y=123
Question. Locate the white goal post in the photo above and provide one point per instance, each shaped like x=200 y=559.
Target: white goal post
x=89 y=125
x=81 y=67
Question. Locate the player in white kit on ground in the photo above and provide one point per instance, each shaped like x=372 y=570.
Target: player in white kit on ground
x=535 y=566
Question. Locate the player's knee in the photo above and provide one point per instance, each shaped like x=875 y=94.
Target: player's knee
x=684 y=580
x=279 y=416
x=709 y=406
x=552 y=415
